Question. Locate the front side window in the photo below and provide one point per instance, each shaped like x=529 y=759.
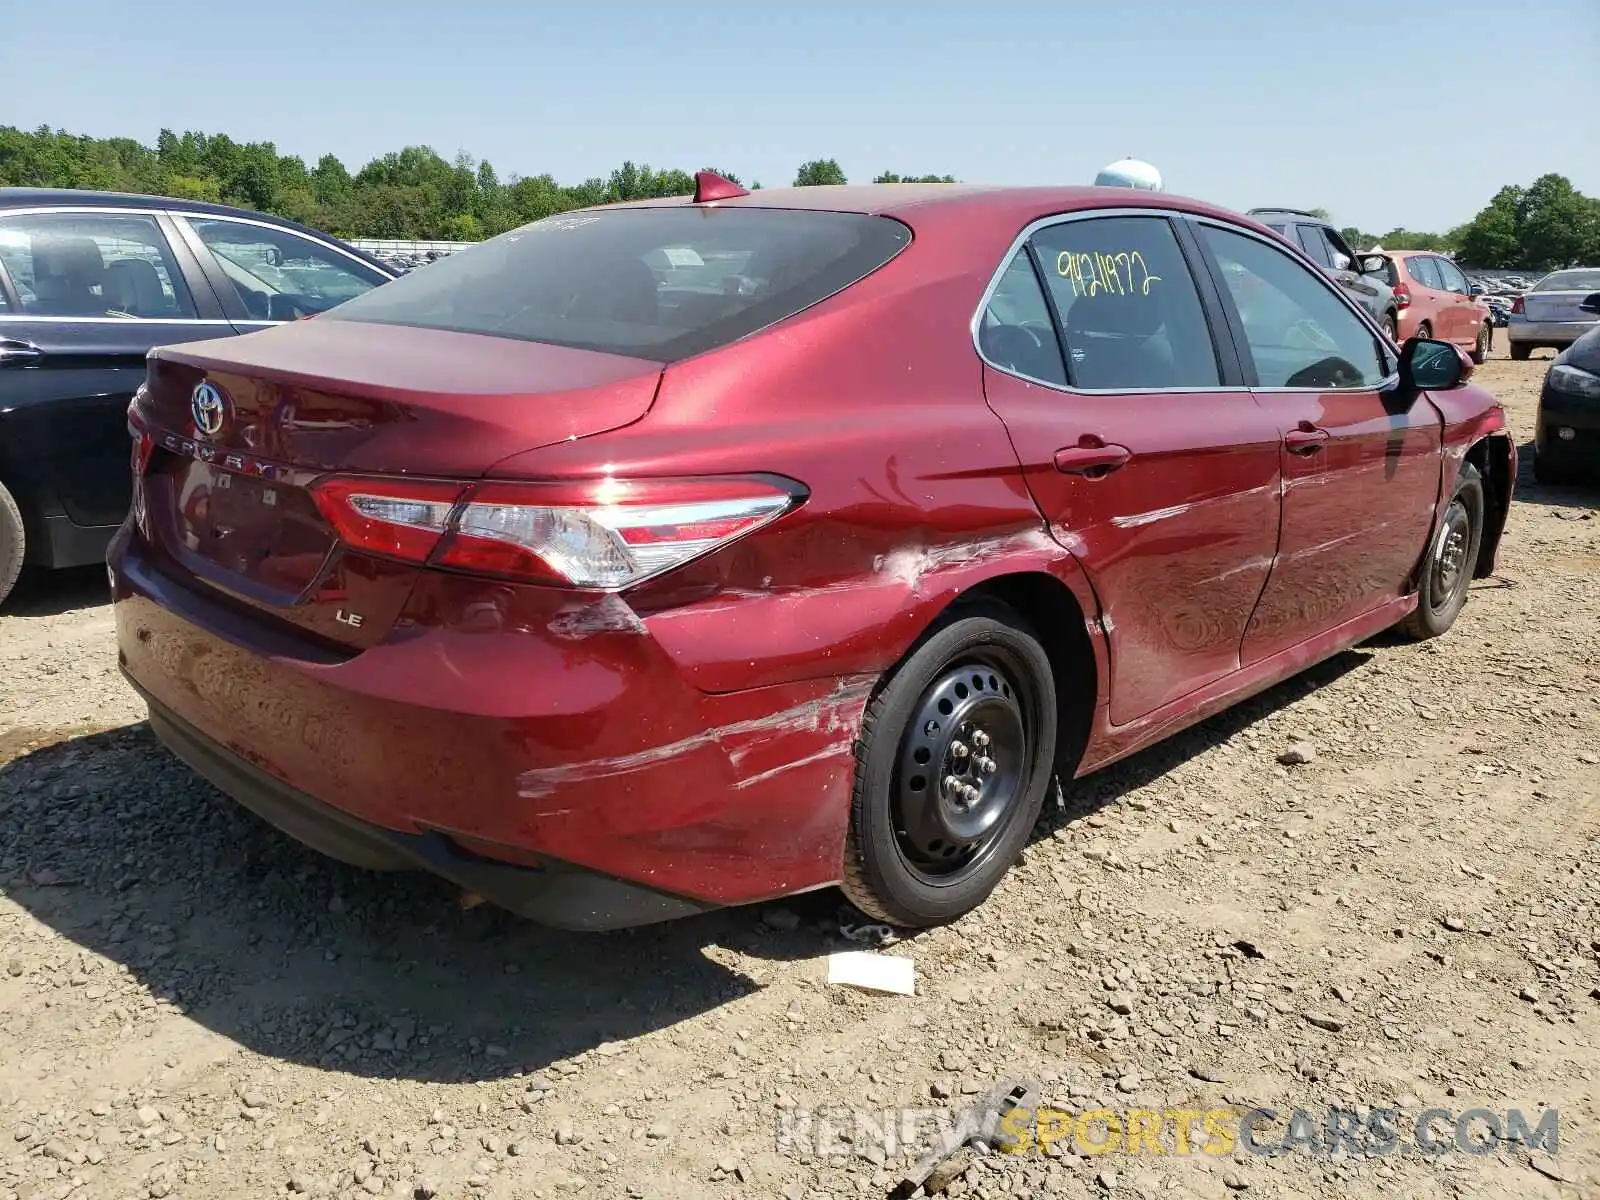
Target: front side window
x=660 y=283
x=1450 y=275
x=1016 y=333
x=1131 y=316
x=1338 y=245
x=93 y=265
x=1299 y=333
x=279 y=275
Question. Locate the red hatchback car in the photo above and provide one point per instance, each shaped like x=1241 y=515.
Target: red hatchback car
x=690 y=553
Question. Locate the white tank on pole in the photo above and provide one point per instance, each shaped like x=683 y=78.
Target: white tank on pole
x=1130 y=173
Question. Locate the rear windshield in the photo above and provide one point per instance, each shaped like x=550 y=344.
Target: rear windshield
x=655 y=283
x=1569 y=281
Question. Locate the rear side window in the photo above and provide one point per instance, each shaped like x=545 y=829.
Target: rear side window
x=1423 y=269
x=1315 y=244
x=93 y=265
x=1016 y=334
x=1130 y=314
x=657 y=283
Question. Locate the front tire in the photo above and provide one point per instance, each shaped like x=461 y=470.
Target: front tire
x=1391 y=328
x=1520 y=351
x=1480 y=349
x=13 y=541
x=955 y=756
x=1448 y=566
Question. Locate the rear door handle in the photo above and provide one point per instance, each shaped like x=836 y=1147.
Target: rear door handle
x=1307 y=439
x=1092 y=458
x=18 y=354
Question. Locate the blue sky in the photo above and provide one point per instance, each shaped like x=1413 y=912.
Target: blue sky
x=1384 y=113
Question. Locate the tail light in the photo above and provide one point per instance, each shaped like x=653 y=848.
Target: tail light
x=604 y=534
x=1402 y=294
x=1518 y=307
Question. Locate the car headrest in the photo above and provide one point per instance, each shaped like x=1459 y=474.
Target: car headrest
x=1111 y=314
x=73 y=259
x=134 y=286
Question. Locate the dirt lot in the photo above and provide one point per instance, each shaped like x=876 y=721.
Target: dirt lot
x=191 y=1005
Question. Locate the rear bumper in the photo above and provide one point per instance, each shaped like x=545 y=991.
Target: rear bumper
x=1546 y=333
x=497 y=723
x=553 y=893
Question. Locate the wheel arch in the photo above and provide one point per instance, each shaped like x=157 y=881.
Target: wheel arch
x=1495 y=460
x=1056 y=615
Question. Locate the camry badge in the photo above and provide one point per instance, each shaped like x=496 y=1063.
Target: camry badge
x=208 y=408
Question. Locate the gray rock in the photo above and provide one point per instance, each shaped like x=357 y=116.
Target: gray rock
x=1298 y=754
x=1326 y=1021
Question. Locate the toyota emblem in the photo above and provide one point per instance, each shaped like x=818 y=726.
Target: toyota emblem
x=209 y=409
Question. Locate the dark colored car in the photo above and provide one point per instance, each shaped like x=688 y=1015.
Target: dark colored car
x=89 y=282
x=1368 y=287
x=809 y=556
x=1567 y=432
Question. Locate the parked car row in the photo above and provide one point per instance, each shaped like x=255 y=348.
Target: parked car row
x=89 y=283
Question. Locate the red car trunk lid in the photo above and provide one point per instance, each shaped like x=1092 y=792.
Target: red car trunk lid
x=242 y=427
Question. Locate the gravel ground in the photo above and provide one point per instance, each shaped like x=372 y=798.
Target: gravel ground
x=191 y=1005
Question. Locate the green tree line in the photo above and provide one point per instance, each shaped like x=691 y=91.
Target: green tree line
x=415 y=193
x=409 y=193
x=1542 y=227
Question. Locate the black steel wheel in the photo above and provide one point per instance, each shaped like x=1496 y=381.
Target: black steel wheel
x=1447 y=567
x=956 y=753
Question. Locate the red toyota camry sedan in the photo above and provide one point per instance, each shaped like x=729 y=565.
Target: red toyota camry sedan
x=674 y=555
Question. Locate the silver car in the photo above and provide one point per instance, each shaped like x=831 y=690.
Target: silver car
x=1551 y=312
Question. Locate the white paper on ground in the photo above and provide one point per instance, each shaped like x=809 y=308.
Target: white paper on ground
x=875 y=972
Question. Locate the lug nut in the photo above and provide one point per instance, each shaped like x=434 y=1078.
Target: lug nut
x=970 y=792
x=988 y=766
x=959 y=749
x=980 y=738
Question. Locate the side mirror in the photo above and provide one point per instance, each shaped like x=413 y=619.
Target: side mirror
x=1372 y=264
x=1430 y=366
x=1341 y=262
x=1590 y=303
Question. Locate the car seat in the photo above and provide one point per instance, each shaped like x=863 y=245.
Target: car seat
x=133 y=286
x=1118 y=342
x=66 y=272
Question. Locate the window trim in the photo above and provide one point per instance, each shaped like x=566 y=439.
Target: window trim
x=1229 y=367
x=175 y=246
x=1246 y=360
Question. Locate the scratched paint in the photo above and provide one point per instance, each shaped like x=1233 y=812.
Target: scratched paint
x=610 y=614
x=836 y=713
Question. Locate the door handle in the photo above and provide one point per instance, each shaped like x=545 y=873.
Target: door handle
x=18 y=354
x=1306 y=439
x=1091 y=457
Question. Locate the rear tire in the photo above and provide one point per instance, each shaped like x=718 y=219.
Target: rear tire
x=1452 y=554
x=1480 y=349
x=1520 y=351
x=13 y=541
x=974 y=708
x=1391 y=328
x=1424 y=330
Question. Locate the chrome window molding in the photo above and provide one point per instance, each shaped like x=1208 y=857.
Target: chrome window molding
x=1033 y=227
